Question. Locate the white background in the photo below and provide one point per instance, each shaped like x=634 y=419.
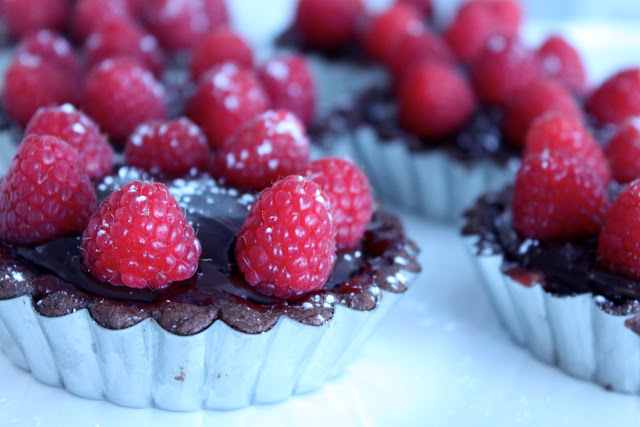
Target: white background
x=440 y=358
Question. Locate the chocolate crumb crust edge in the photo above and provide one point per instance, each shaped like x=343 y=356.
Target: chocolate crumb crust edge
x=389 y=265
x=561 y=268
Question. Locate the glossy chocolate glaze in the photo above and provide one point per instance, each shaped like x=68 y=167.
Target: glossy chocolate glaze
x=53 y=274
x=564 y=268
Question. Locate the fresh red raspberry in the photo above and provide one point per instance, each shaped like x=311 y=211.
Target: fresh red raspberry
x=172 y=148
x=476 y=21
x=558 y=197
x=226 y=98
x=219 y=46
x=623 y=152
x=327 y=24
x=288 y=81
x=77 y=130
x=387 y=28
x=537 y=98
x=350 y=197
x=425 y=7
x=123 y=38
x=45 y=193
x=88 y=15
x=286 y=246
x=503 y=68
x=562 y=62
x=618 y=241
x=415 y=47
x=617 y=100
x=22 y=17
x=119 y=95
x=273 y=145
x=554 y=131
x=180 y=24
x=434 y=100
x=136 y=7
x=140 y=237
x=31 y=83
x=51 y=47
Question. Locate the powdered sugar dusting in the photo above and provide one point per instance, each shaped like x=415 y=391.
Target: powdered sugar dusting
x=278 y=69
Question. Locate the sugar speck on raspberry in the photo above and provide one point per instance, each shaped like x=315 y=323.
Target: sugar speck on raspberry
x=172 y=148
x=139 y=237
x=273 y=145
x=119 y=95
x=51 y=47
x=78 y=130
x=349 y=194
x=45 y=192
x=286 y=246
x=558 y=197
x=226 y=98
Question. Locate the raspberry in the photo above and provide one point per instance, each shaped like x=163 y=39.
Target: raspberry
x=272 y=146
x=45 y=193
x=220 y=45
x=327 y=24
x=140 y=237
x=504 y=67
x=77 y=130
x=554 y=131
x=286 y=246
x=51 y=47
x=350 y=197
x=31 y=83
x=88 y=15
x=22 y=17
x=477 y=21
x=180 y=24
x=617 y=100
x=562 y=61
x=618 y=241
x=122 y=38
x=120 y=95
x=172 y=148
x=386 y=29
x=425 y=7
x=288 y=82
x=539 y=97
x=434 y=100
x=414 y=47
x=558 y=197
x=623 y=152
x=226 y=98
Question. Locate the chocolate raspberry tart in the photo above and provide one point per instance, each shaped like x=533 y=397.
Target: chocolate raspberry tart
x=557 y=252
x=446 y=124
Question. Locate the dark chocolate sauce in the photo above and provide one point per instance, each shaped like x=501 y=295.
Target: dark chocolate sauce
x=567 y=268
x=54 y=275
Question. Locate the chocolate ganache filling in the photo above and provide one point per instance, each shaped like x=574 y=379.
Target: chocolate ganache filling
x=562 y=267
x=53 y=274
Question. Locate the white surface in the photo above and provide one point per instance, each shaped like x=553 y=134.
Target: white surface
x=440 y=358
